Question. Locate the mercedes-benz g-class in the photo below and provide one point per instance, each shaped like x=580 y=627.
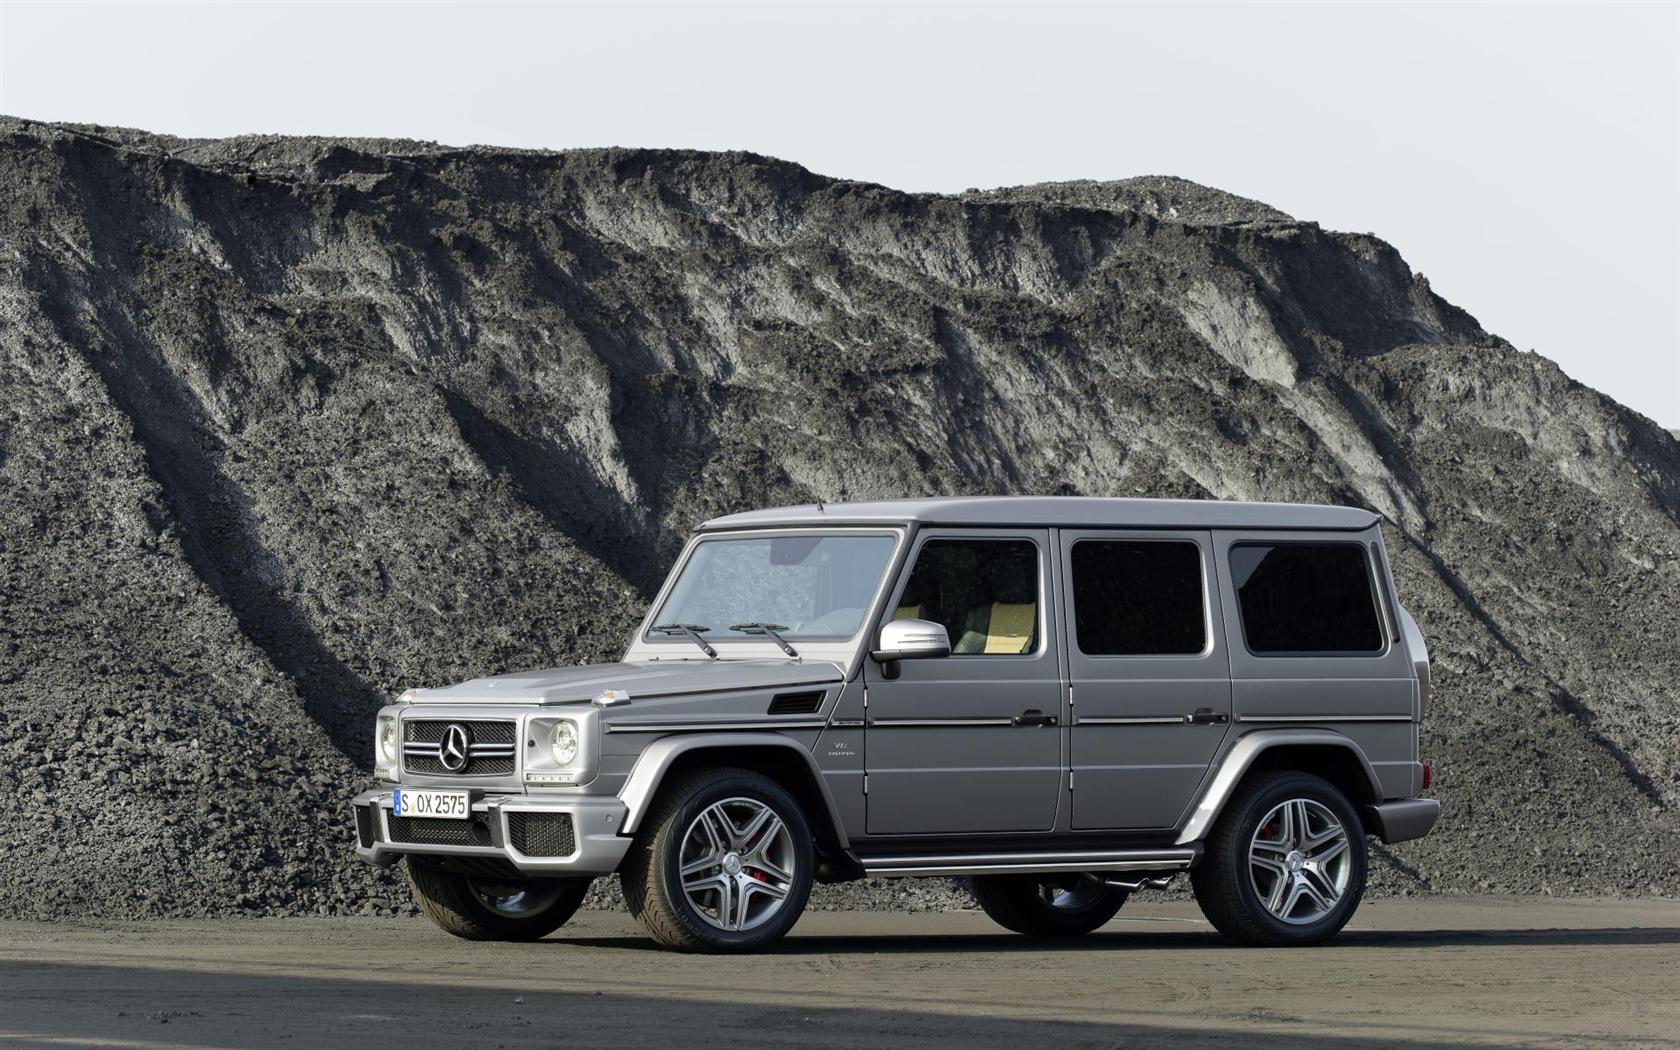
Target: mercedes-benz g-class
x=1061 y=700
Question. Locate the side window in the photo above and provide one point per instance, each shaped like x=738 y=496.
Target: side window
x=1306 y=598
x=985 y=592
x=1138 y=598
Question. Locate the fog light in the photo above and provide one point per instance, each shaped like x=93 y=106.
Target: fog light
x=563 y=743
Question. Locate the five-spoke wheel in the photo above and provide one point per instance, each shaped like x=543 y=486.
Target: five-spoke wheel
x=1298 y=861
x=722 y=862
x=1047 y=905
x=737 y=863
x=482 y=909
x=1285 y=864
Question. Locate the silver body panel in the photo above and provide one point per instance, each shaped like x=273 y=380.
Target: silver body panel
x=1136 y=759
x=944 y=752
x=1124 y=766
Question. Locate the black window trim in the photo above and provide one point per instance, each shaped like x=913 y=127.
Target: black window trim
x=937 y=533
x=1118 y=536
x=1326 y=654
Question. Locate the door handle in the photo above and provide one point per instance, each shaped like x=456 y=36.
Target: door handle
x=1034 y=717
x=1206 y=716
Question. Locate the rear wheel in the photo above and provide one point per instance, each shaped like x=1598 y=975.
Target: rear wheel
x=1285 y=865
x=485 y=909
x=723 y=863
x=1047 y=905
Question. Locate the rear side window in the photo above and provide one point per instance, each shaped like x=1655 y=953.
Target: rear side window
x=1138 y=598
x=1306 y=598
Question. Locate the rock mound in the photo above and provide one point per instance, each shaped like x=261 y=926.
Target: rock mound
x=287 y=425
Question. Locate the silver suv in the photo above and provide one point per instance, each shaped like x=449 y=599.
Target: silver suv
x=1062 y=700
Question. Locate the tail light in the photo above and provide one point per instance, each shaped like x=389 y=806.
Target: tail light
x=1428 y=775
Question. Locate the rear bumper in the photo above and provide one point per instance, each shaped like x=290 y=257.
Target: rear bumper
x=1402 y=819
x=502 y=827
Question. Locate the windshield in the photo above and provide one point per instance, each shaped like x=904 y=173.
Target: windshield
x=803 y=586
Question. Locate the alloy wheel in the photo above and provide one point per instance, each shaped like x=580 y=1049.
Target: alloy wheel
x=1299 y=862
x=513 y=900
x=1073 y=896
x=737 y=864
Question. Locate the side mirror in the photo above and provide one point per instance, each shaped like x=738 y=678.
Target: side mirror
x=911 y=640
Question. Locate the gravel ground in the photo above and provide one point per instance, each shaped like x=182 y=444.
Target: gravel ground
x=1434 y=973
x=288 y=425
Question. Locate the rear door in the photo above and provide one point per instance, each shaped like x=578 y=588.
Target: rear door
x=1149 y=674
x=972 y=742
x=1313 y=643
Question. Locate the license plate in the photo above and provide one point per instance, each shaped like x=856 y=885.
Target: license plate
x=447 y=805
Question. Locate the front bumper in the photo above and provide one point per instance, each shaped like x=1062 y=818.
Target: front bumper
x=597 y=848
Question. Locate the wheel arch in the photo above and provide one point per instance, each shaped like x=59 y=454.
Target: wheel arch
x=1321 y=752
x=777 y=757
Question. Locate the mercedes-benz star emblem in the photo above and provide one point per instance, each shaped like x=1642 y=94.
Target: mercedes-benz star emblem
x=452 y=752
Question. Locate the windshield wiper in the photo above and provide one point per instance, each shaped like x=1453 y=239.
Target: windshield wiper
x=769 y=629
x=692 y=630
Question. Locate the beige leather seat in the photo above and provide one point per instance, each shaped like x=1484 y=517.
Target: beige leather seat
x=1000 y=628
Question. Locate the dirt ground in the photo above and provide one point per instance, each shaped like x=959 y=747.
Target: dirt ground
x=1442 y=972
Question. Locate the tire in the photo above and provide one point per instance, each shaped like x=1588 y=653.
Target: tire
x=1047 y=905
x=749 y=876
x=1263 y=848
x=490 y=910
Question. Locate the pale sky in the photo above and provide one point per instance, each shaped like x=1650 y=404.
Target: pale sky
x=1525 y=158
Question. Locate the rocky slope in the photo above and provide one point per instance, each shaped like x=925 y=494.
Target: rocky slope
x=289 y=424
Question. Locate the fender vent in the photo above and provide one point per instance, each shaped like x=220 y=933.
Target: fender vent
x=797 y=703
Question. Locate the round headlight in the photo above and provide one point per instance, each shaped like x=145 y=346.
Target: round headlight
x=387 y=741
x=563 y=742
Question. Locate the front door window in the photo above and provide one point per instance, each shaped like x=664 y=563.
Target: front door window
x=984 y=592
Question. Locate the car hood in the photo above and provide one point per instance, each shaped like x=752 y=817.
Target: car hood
x=641 y=680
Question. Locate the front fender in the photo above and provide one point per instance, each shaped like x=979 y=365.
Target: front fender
x=652 y=764
x=1242 y=756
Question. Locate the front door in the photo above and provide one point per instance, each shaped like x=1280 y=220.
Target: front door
x=1151 y=690
x=972 y=742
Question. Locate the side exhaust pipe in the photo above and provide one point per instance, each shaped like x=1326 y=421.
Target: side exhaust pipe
x=1140 y=882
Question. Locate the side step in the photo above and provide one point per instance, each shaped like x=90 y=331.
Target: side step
x=1002 y=863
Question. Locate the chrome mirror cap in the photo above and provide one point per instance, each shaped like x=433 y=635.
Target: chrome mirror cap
x=912 y=640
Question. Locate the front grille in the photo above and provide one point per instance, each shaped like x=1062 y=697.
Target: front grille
x=477 y=767
x=489 y=754
x=430 y=731
x=429 y=831
x=542 y=834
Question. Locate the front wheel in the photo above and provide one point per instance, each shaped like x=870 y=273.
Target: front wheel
x=481 y=909
x=1285 y=866
x=1047 y=905
x=723 y=863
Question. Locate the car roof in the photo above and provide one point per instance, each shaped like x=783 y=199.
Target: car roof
x=1060 y=511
